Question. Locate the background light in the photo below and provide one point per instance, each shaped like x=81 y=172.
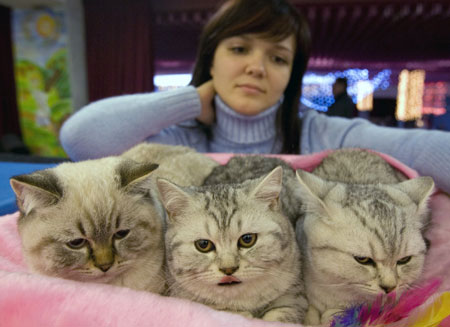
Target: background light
x=317 y=89
x=409 y=95
x=434 y=99
x=171 y=81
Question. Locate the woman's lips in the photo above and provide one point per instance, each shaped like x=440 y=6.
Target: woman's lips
x=251 y=89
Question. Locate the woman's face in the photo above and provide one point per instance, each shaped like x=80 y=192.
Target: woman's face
x=250 y=74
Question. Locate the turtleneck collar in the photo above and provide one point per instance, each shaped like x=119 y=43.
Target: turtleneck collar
x=243 y=129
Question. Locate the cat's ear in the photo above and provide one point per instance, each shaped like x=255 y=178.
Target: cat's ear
x=269 y=188
x=418 y=189
x=134 y=175
x=38 y=189
x=313 y=190
x=174 y=199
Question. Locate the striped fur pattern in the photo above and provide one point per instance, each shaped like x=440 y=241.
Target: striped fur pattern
x=358 y=166
x=241 y=168
x=93 y=221
x=362 y=235
x=251 y=264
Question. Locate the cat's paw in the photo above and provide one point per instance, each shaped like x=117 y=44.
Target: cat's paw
x=286 y=315
x=312 y=316
x=328 y=315
x=273 y=315
x=246 y=314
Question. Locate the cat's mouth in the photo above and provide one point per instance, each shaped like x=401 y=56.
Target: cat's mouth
x=229 y=280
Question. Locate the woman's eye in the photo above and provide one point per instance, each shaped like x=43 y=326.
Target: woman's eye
x=238 y=50
x=204 y=245
x=247 y=240
x=77 y=243
x=279 y=60
x=364 y=260
x=121 y=234
x=404 y=261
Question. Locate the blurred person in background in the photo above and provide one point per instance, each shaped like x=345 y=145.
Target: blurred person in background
x=343 y=105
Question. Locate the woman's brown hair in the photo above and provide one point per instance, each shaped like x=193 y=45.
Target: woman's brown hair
x=271 y=19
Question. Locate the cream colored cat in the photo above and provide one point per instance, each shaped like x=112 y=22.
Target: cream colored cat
x=179 y=164
x=101 y=220
x=93 y=221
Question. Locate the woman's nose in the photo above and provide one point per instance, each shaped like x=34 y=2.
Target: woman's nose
x=255 y=66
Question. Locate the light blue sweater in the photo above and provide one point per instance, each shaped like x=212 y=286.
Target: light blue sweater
x=113 y=125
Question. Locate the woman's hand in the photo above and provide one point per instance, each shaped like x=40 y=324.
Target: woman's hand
x=207 y=92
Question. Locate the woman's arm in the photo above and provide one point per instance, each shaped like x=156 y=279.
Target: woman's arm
x=426 y=151
x=113 y=125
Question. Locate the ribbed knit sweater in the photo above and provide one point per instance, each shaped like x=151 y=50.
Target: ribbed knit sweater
x=111 y=126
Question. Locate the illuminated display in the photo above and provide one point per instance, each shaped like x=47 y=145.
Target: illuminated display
x=317 y=94
x=171 y=81
x=434 y=101
x=409 y=95
x=364 y=95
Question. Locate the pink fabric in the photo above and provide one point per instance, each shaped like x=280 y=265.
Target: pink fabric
x=28 y=299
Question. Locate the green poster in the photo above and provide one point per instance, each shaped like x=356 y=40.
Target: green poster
x=42 y=80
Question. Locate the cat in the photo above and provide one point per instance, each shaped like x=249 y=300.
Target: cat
x=241 y=168
x=180 y=164
x=362 y=233
x=358 y=166
x=230 y=247
x=93 y=221
x=101 y=220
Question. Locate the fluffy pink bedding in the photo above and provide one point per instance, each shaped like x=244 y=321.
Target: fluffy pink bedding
x=28 y=299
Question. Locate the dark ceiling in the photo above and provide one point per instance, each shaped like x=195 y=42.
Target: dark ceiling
x=375 y=34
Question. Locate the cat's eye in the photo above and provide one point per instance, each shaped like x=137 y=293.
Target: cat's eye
x=121 y=234
x=404 y=261
x=364 y=260
x=204 y=245
x=247 y=240
x=77 y=243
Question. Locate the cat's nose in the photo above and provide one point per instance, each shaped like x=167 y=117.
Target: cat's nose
x=228 y=270
x=105 y=267
x=387 y=288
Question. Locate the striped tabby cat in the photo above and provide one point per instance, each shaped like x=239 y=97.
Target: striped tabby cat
x=241 y=168
x=362 y=233
x=230 y=247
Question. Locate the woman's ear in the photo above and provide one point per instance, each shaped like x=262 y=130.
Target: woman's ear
x=211 y=68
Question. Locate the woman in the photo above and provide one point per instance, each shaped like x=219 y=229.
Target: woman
x=244 y=98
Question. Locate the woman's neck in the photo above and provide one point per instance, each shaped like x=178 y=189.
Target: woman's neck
x=243 y=129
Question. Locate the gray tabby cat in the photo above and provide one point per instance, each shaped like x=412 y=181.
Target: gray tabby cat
x=242 y=168
x=231 y=248
x=362 y=233
x=101 y=220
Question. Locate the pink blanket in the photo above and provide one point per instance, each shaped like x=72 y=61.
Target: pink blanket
x=33 y=300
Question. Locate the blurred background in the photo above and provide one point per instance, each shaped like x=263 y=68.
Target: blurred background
x=58 y=55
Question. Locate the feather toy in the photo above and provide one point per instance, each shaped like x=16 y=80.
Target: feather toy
x=414 y=308
x=437 y=314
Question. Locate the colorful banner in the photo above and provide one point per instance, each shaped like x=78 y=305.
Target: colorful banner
x=42 y=78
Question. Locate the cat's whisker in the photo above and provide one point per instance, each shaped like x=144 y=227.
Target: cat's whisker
x=181 y=283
